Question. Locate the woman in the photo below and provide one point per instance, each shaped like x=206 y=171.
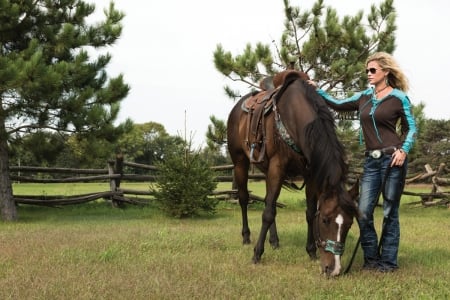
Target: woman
x=380 y=108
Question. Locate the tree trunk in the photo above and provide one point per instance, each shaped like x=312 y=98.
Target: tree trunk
x=7 y=206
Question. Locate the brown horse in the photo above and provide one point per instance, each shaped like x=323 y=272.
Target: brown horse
x=289 y=131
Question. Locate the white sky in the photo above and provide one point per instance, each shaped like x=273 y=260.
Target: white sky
x=166 y=54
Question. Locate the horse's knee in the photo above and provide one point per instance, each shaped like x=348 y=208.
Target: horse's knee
x=268 y=217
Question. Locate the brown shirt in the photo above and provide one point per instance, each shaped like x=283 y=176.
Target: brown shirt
x=379 y=118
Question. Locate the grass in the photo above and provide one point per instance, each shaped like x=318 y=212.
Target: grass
x=94 y=251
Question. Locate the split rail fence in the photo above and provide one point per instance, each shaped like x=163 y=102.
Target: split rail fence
x=114 y=173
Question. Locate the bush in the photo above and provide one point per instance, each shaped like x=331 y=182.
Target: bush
x=183 y=185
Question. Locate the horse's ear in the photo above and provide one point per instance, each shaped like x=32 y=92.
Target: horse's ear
x=354 y=191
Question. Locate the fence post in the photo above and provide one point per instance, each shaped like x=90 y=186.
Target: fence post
x=112 y=183
x=436 y=188
x=118 y=168
x=115 y=167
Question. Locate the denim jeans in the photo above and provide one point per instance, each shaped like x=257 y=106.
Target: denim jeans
x=378 y=174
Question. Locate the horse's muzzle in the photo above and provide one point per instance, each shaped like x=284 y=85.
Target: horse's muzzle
x=335 y=247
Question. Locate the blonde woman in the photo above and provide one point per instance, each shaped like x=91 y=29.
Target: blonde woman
x=380 y=107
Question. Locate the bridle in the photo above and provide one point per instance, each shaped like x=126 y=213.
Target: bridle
x=335 y=247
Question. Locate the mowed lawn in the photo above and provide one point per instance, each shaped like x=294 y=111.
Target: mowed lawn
x=95 y=251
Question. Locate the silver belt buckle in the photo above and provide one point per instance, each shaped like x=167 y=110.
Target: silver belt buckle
x=375 y=154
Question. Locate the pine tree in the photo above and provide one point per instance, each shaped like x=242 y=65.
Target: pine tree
x=48 y=81
x=330 y=49
x=184 y=183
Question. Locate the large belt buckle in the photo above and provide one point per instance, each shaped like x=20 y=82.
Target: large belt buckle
x=376 y=154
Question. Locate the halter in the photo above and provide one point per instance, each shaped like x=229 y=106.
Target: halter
x=335 y=247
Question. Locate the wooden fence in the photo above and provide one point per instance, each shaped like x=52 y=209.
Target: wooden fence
x=438 y=195
x=114 y=173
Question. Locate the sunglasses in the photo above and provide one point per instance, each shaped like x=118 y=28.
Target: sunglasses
x=371 y=71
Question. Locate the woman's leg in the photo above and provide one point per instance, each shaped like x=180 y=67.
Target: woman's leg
x=390 y=239
x=370 y=187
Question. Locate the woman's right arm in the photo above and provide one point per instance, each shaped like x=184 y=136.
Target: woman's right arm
x=348 y=104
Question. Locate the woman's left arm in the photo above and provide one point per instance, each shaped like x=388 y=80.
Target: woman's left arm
x=408 y=125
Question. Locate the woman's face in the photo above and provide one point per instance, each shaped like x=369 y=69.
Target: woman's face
x=375 y=74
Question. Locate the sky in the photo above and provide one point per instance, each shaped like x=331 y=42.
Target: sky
x=166 y=54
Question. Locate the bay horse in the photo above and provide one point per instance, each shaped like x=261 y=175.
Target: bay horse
x=287 y=131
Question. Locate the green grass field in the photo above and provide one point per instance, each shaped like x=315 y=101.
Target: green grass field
x=95 y=251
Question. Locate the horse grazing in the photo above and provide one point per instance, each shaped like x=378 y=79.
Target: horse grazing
x=286 y=131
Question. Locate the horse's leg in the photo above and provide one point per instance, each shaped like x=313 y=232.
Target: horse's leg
x=311 y=208
x=273 y=237
x=273 y=232
x=241 y=179
x=273 y=187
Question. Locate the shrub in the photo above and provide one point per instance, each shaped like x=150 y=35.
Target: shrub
x=183 y=185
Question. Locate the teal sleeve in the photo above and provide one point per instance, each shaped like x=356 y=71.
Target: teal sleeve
x=412 y=129
x=346 y=104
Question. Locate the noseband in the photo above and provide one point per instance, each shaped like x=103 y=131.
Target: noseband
x=335 y=247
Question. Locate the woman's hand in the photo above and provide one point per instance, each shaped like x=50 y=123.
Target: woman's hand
x=398 y=158
x=313 y=83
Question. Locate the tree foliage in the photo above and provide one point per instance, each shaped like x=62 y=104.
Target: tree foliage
x=216 y=140
x=330 y=49
x=434 y=144
x=216 y=134
x=184 y=183
x=49 y=81
x=149 y=143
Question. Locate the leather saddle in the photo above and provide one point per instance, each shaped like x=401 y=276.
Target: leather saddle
x=257 y=106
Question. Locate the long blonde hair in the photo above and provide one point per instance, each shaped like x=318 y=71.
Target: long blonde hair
x=396 y=78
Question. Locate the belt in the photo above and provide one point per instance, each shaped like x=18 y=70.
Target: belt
x=377 y=153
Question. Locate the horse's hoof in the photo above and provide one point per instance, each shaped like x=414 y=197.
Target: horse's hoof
x=256 y=260
x=275 y=245
x=257 y=255
x=246 y=241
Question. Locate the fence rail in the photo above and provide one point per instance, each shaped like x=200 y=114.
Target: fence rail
x=119 y=196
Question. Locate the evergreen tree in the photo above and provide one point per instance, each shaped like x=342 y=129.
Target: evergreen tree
x=330 y=49
x=184 y=184
x=216 y=136
x=48 y=81
x=434 y=144
x=216 y=139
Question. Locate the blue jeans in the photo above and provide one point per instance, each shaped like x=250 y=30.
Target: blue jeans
x=376 y=171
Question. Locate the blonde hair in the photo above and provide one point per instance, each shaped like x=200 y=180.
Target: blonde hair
x=396 y=78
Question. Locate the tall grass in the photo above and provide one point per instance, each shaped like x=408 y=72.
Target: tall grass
x=94 y=251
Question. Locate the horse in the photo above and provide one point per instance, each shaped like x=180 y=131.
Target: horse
x=286 y=130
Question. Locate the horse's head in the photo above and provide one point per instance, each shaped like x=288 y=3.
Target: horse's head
x=334 y=217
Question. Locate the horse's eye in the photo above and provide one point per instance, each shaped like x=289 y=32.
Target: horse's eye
x=326 y=221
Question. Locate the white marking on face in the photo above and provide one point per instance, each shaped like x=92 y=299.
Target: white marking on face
x=339 y=221
x=337 y=258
